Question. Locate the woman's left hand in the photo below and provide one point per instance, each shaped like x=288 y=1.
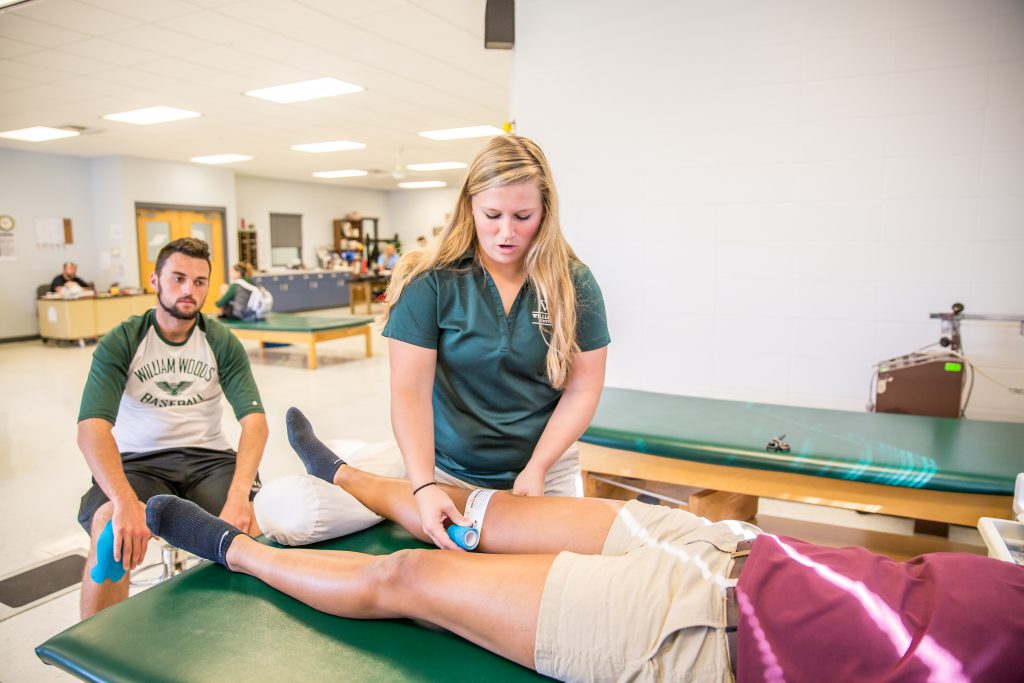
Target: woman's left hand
x=529 y=483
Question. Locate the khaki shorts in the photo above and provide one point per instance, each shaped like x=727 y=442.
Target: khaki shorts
x=651 y=607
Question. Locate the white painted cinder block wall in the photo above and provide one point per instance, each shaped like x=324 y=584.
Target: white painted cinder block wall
x=774 y=196
x=417 y=212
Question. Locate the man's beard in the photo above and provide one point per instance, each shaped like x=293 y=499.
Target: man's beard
x=173 y=310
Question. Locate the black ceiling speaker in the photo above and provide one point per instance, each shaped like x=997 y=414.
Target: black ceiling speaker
x=500 y=25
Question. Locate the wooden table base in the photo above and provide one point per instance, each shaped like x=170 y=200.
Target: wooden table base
x=310 y=339
x=938 y=506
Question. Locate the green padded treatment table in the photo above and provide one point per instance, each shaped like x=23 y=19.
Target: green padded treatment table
x=929 y=468
x=208 y=624
x=290 y=328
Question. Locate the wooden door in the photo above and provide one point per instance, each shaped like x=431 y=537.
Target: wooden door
x=157 y=227
x=207 y=226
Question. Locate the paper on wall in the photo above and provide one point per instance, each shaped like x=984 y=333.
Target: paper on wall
x=8 y=247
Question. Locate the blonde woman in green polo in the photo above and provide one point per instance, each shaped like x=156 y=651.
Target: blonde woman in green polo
x=498 y=341
x=497 y=344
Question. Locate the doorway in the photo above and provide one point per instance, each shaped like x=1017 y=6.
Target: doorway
x=158 y=225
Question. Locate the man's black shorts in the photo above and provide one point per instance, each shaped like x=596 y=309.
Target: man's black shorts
x=197 y=474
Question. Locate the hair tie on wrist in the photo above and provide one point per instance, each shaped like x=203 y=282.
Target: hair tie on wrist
x=423 y=486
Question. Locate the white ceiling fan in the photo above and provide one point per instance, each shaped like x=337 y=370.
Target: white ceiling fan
x=397 y=173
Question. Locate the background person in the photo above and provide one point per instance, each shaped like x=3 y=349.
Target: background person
x=234 y=297
x=387 y=259
x=68 y=274
x=150 y=418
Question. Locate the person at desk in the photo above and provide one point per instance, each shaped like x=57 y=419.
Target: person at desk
x=150 y=418
x=586 y=589
x=387 y=259
x=497 y=345
x=68 y=274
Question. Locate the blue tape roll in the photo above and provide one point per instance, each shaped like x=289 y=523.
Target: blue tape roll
x=105 y=567
x=466 y=537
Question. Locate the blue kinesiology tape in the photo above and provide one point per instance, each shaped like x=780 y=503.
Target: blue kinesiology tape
x=466 y=537
x=106 y=567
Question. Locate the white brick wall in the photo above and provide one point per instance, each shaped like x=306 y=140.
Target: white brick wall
x=775 y=195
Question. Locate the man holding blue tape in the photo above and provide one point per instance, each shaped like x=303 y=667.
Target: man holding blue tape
x=150 y=419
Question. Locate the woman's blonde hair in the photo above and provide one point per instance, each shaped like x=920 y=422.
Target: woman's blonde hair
x=244 y=269
x=506 y=160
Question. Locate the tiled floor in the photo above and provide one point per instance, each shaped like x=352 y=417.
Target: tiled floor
x=42 y=473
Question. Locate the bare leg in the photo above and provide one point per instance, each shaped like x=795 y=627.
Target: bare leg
x=514 y=524
x=430 y=585
x=96 y=597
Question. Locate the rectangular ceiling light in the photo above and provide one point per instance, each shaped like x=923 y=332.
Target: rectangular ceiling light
x=38 y=134
x=221 y=158
x=459 y=133
x=345 y=173
x=437 y=166
x=151 y=115
x=422 y=184
x=305 y=90
x=329 y=146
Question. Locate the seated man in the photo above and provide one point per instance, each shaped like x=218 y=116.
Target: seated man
x=69 y=274
x=150 y=420
x=387 y=259
x=590 y=589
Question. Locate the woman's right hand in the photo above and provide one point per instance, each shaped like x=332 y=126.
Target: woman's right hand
x=435 y=506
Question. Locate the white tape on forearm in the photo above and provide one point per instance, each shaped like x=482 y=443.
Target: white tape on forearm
x=476 y=506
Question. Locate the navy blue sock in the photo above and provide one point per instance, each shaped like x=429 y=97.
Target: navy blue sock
x=185 y=525
x=320 y=461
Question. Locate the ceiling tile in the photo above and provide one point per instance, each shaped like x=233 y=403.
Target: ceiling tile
x=431 y=35
x=104 y=50
x=212 y=4
x=158 y=40
x=226 y=58
x=15 y=48
x=214 y=27
x=8 y=83
x=275 y=15
x=189 y=72
x=285 y=50
x=58 y=92
x=36 y=32
x=136 y=78
x=62 y=61
x=77 y=16
x=350 y=9
x=28 y=72
x=468 y=15
x=146 y=10
x=99 y=87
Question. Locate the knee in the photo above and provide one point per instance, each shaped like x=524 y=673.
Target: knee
x=389 y=574
x=100 y=518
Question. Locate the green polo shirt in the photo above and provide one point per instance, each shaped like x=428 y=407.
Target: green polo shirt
x=491 y=398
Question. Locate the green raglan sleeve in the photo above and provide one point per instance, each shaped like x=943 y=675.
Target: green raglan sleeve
x=233 y=367
x=413 y=318
x=591 y=319
x=229 y=295
x=108 y=374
